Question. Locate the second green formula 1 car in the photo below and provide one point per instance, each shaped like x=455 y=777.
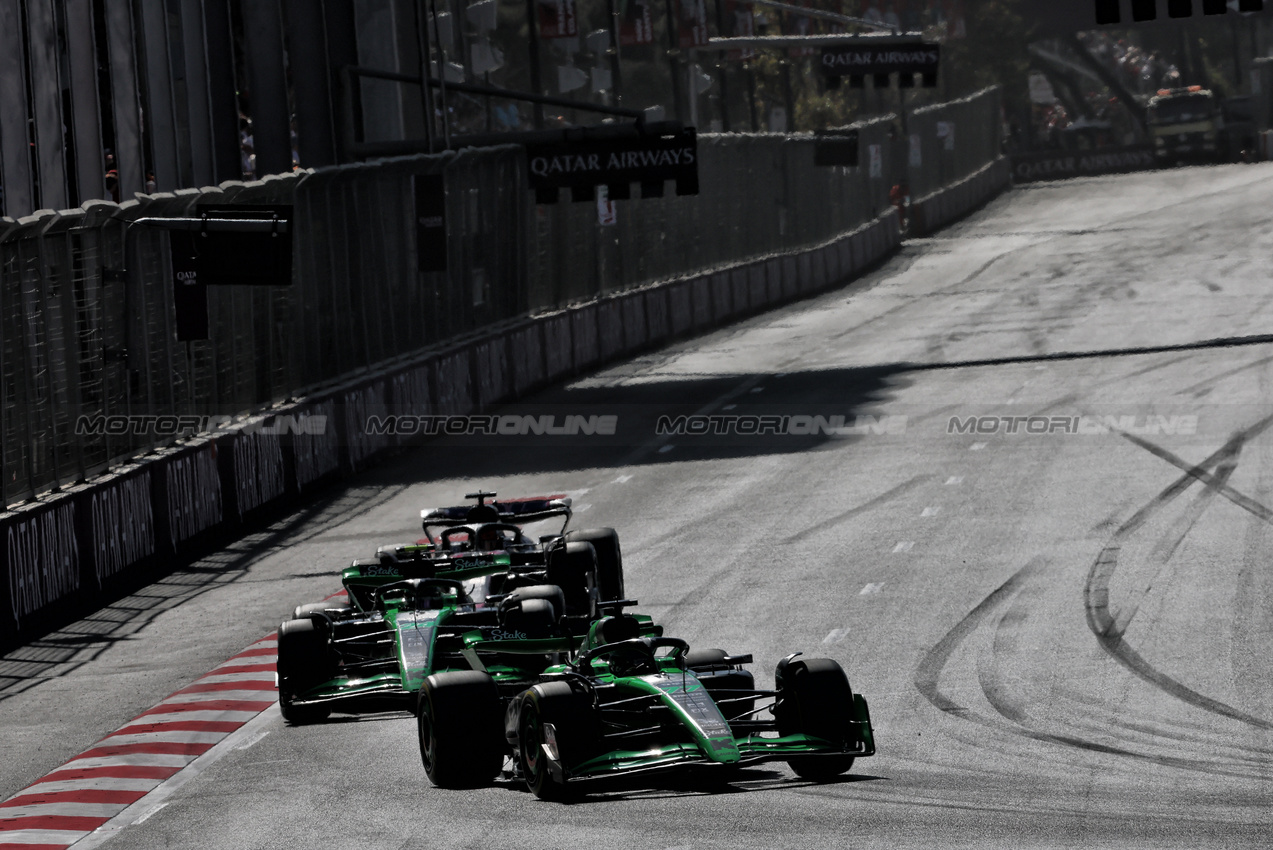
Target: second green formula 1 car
x=480 y=596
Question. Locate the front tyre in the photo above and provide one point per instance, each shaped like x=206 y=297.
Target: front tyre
x=815 y=699
x=554 y=722
x=605 y=541
x=531 y=736
x=458 y=723
x=304 y=662
x=573 y=568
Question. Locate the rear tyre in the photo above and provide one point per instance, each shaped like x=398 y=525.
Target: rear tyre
x=574 y=735
x=609 y=559
x=721 y=678
x=304 y=662
x=549 y=593
x=529 y=618
x=815 y=699
x=574 y=570
x=459 y=723
x=706 y=659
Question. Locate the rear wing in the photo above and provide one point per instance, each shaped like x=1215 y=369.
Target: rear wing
x=515 y=511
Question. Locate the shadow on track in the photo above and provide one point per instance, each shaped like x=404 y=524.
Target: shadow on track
x=702 y=417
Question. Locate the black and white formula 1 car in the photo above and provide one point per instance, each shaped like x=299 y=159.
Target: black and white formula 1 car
x=492 y=534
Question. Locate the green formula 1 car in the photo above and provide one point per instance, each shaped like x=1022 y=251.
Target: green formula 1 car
x=481 y=589
x=629 y=701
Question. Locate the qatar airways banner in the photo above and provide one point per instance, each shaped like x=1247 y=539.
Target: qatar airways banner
x=1058 y=165
x=858 y=60
x=616 y=162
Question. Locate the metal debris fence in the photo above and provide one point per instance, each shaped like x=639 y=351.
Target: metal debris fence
x=955 y=140
x=87 y=322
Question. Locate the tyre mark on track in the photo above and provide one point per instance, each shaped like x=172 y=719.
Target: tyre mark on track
x=856 y=510
x=1088 y=389
x=1209 y=383
x=673 y=610
x=1167 y=547
x=1184 y=732
x=996 y=686
x=1133 y=661
x=1253 y=614
x=1015 y=717
x=1107 y=628
x=1200 y=473
x=928 y=673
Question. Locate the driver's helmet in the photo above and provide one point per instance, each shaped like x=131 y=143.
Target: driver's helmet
x=631 y=661
x=489 y=539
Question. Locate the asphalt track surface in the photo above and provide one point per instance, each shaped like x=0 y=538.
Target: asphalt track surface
x=1064 y=636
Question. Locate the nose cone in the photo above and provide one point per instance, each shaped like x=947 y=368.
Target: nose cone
x=723 y=749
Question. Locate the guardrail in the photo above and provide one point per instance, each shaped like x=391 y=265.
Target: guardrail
x=78 y=340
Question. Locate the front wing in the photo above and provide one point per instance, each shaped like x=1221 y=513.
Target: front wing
x=753 y=747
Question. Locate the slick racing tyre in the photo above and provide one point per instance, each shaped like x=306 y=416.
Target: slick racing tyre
x=459 y=720
x=515 y=604
x=721 y=679
x=304 y=661
x=815 y=699
x=527 y=618
x=573 y=568
x=572 y=735
x=609 y=559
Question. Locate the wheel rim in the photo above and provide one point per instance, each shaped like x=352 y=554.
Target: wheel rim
x=532 y=762
x=427 y=741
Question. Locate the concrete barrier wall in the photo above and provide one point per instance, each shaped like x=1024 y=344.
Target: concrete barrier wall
x=934 y=211
x=66 y=554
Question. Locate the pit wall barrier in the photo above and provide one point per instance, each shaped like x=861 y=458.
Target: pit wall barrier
x=68 y=553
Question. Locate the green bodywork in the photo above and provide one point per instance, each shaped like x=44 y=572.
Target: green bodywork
x=408 y=642
x=711 y=738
